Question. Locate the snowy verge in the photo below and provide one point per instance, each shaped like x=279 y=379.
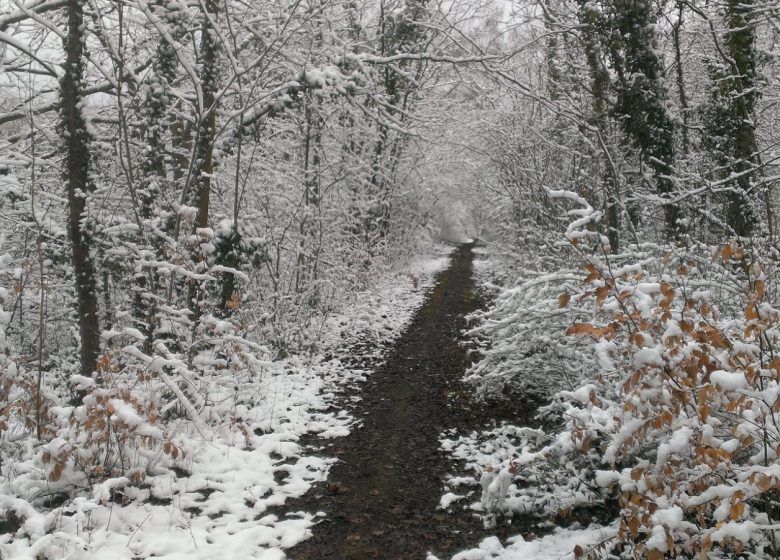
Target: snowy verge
x=558 y=546
x=498 y=481
x=223 y=495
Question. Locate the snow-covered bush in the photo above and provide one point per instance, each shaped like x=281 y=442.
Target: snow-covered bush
x=672 y=412
x=528 y=353
x=690 y=445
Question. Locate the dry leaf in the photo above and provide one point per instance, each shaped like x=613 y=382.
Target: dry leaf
x=760 y=287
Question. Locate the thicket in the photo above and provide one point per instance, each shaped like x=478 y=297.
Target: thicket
x=634 y=170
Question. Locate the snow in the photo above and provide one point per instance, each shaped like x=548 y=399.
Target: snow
x=429 y=266
x=626 y=431
x=581 y=394
x=576 y=229
x=648 y=357
x=81 y=382
x=558 y=546
x=602 y=350
x=671 y=517
x=607 y=478
x=678 y=444
x=448 y=499
x=124 y=412
x=742 y=531
x=495 y=485
x=729 y=381
x=657 y=540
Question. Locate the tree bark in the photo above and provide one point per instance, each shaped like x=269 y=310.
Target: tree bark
x=77 y=156
x=204 y=147
x=642 y=96
x=681 y=90
x=600 y=83
x=740 y=47
x=208 y=114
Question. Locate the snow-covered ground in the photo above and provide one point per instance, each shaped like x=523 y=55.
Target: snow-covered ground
x=226 y=496
x=558 y=546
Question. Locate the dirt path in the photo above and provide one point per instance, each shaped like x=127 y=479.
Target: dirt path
x=381 y=497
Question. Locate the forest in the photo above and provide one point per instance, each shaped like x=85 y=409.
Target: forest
x=219 y=217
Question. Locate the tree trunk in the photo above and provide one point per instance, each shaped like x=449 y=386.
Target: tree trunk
x=600 y=84
x=204 y=148
x=208 y=114
x=159 y=180
x=740 y=47
x=642 y=96
x=681 y=90
x=76 y=147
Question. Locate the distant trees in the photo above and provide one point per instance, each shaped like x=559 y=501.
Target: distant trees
x=654 y=90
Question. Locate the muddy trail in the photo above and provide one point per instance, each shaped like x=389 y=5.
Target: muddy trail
x=381 y=497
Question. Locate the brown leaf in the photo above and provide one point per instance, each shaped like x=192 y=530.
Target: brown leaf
x=593 y=273
x=235 y=301
x=56 y=472
x=579 y=329
x=736 y=511
x=760 y=287
x=563 y=299
x=705 y=547
x=633 y=526
x=764 y=482
x=717 y=340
